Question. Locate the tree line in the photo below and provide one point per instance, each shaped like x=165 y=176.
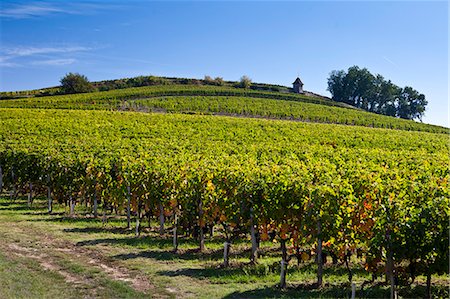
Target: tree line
x=360 y=88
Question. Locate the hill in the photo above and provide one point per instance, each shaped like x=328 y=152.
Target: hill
x=222 y=100
x=229 y=201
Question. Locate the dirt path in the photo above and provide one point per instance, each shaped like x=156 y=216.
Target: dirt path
x=56 y=255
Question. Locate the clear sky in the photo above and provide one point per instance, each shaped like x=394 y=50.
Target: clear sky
x=269 y=41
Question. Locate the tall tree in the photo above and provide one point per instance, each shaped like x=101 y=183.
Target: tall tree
x=359 y=88
x=411 y=104
x=336 y=85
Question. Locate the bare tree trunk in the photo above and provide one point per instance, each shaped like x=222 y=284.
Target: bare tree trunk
x=353 y=290
x=175 y=233
x=128 y=207
x=284 y=264
x=254 y=254
x=161 y=218
x=319 y=254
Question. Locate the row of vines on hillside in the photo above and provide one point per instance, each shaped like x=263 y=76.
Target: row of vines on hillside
x=389 y=214
x=207 y=99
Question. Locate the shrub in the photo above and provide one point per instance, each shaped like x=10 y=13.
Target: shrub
x=245 y=82
x=219 y=81
x=208 y=80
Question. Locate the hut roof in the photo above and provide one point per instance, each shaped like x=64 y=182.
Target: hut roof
x=298 y=81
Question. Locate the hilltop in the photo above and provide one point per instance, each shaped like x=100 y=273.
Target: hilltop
x=141 y=81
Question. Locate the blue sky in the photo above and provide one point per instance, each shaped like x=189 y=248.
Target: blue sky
x=271 y=42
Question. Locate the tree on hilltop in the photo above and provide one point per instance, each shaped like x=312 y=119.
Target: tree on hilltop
x=75 y=83
x=359 y=88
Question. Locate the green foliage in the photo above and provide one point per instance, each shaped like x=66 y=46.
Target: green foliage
x=359 y=88
x=360 y=183
x=284 y=178
x=75 y=83
x=223 y=100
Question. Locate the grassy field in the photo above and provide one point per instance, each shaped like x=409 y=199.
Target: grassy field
x=48 y=256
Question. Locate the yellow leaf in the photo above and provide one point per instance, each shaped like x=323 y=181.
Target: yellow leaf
x=305 y=256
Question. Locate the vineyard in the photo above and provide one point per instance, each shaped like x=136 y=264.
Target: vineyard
x=373 y=202
x=222 y=101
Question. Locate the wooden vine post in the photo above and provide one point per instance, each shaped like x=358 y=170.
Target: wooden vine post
x=319 y=254
x=49 y=195
x=128 y=207
x=390 y=258
x=30 y=194
x=175 y=232
x=95 y=199
x=13 y=191
x=226 y=253
x=284 y=264
x=161 y=218
x=72 y=205
x=254 y=254
x=202 y=235
x=138 y=218
x=1 y=179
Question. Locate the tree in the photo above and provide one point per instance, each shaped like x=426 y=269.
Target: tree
x=359 y=88
x=411 y=104
x=245 y=82
x=75 y=83
x=336 y=85
x=384 y=97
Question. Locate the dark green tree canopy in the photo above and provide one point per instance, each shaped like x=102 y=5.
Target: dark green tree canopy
x=75 y=83
x=359 y=88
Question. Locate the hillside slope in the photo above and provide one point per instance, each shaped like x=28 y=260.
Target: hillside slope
x=235 y=176
x=222 y=101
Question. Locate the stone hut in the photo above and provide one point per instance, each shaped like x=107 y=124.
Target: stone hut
x=297 y=86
